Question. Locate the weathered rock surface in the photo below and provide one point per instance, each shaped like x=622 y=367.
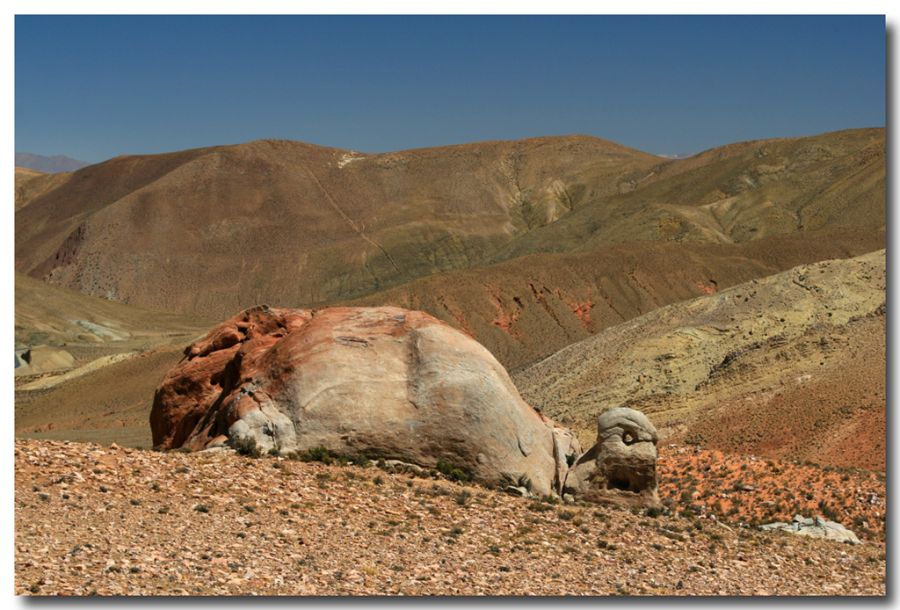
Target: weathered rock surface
x=622 y=465
x=381 y=382
x=814 y=528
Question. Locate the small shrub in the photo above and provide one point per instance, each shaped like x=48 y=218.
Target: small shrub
x=360 y=460
x=317 y=454
x=201 y=508
x=566 y=515
x=452 y=472
x=246 y=446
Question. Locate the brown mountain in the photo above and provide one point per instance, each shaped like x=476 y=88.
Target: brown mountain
x=214 y=230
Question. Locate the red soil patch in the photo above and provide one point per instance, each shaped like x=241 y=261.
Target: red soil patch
x=706 y=287
x=755 y=490
x=504 y=320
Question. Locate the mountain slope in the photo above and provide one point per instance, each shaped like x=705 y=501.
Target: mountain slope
x=792 y=365
x=121 y=354
x=31 y=183
x=294 y=224
x=527 y=308
x=48 y=314
x=736 y=193
x=289 y=222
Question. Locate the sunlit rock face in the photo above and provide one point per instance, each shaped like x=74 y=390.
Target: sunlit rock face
x=621 y=467
x=381 y=382
x=386 y=382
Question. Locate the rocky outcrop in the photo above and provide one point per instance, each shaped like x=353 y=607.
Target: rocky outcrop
x=621 y=467
x=391 y=384
x=814 y=528
x=381 y=382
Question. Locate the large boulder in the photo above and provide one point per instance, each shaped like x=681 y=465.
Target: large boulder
x=381 y=382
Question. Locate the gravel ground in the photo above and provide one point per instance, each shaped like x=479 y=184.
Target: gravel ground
x=117 y=521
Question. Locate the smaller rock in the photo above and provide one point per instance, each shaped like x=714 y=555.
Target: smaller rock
x=517 y=491
x=400 y=466
x=814 y=528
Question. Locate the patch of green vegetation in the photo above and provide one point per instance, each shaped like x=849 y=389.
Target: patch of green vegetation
x=246 y=446
x=452 y=472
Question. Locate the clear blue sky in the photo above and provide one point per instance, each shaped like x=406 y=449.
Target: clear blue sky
x=93 y=87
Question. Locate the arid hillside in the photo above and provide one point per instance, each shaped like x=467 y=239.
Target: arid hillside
x=292 y=224
x=120 y=354
x=58 y=316
x=527 y=308
x=516 y=309
x=791 y=365
x=736 y=193
x=31 y=183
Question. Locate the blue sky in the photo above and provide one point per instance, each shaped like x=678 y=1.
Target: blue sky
x=93 y=87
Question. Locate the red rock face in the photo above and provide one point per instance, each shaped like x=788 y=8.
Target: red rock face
x=184 y=407
x=378 y=381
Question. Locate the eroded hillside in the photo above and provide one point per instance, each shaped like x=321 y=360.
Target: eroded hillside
x=791 y=365
x=530 y=307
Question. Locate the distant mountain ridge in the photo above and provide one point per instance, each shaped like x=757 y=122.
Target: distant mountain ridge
x=52 y=165
x=293 y=224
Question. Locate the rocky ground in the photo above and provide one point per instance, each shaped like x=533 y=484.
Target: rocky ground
x=118 y=521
